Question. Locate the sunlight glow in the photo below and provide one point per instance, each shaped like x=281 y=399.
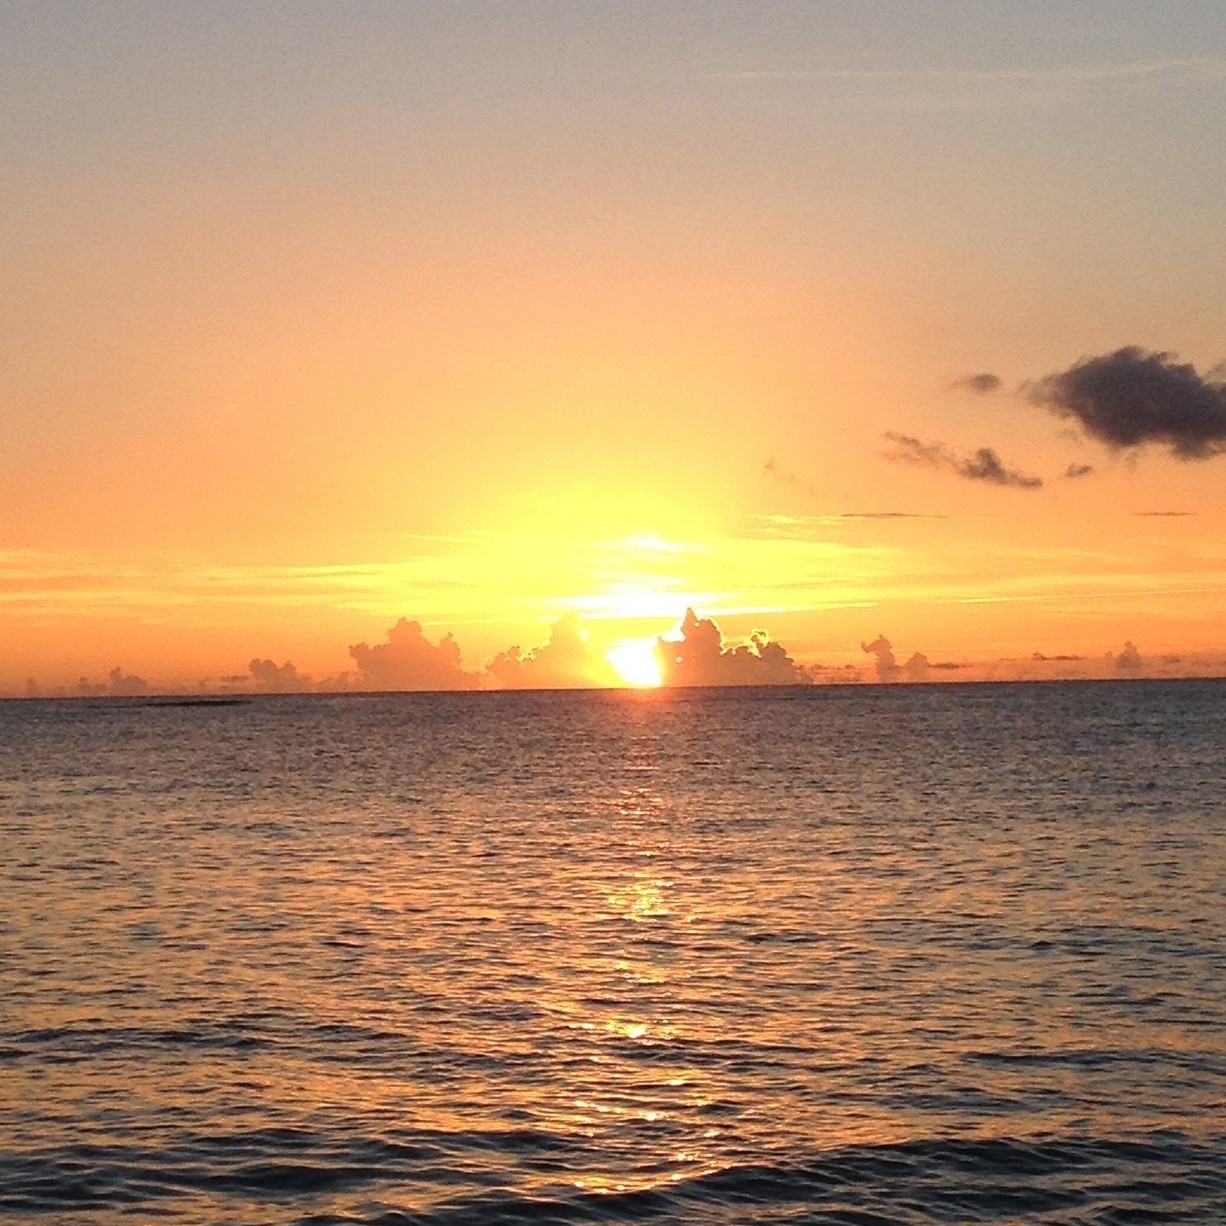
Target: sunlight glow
x=635 y=662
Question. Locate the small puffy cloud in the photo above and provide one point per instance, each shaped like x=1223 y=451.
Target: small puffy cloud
x=883 y=651
x=409 y=661
x=268 y=678
x=887 y=667
x=1129 y=660
x=565 y=662
x=1074 y=472
x=982 y=384
x=984 y=465
x=1134 y=397
x=701 y=657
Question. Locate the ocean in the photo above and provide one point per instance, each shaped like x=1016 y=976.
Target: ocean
x=888 y=954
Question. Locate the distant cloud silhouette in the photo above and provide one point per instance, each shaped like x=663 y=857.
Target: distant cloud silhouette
x=883 y=651
x=1129 y=660
x=117 y=685
x=267 y=678
x=984 y=465
x=409 y=661
x=1074 y=472
x=700 y=657
x=563 y=663
x=1134 y=397
x=887 y=515
x=983 y=384
x=887 y=667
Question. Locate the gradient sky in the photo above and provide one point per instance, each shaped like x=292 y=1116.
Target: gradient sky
x=320 y=315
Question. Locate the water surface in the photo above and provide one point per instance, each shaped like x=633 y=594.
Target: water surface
x=892 y=954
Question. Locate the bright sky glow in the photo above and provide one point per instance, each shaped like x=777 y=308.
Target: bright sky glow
x=487 y=317
x=635 y=662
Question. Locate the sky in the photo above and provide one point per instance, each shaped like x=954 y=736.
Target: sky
x=535 y=324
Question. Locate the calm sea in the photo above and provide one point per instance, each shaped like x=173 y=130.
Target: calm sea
x=883 y=955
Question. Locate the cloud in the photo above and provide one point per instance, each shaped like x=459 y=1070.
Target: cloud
x=1133 y=398
x=409 y=661
x=1129 y=660
x=887 y=515
x=1074 y=472
x=117 y=685
x=267 y=678
x=564 y=662
x=982 y=384
x=773 y=472
x=1163 y=514
x=701 y=657
x=985 y=465
x=887 y=666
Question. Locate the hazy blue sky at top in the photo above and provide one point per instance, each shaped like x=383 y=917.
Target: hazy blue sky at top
x=207 y=79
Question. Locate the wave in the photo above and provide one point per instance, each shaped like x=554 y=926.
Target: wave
x=288 y=1175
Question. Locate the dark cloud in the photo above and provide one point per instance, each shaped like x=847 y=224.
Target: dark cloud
x=985 y=465
x=409 y=661
x=267 y=678
x=1074 y=472
x=983 y=384
x=563 y=663
x=700 y=657
x=1163 y=514
x=1134 y=397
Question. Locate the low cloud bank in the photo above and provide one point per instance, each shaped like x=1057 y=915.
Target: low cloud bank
x=1135 y=397
x=701 y=657
x=409 y=661
x=117 y=685
x=565 y=662
x=268 y=678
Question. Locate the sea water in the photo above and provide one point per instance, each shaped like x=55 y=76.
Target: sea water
x=885 y=954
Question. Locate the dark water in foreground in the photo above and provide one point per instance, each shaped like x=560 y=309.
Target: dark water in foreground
x=904 y=955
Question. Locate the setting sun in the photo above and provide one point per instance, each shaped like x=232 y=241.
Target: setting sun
x=635 y=662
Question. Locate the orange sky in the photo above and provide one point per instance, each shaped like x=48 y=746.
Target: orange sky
x=485 y=317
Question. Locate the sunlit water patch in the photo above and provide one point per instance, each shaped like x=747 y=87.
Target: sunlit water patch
x=906 y=954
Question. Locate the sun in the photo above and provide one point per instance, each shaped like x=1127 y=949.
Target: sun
x=635 y=662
